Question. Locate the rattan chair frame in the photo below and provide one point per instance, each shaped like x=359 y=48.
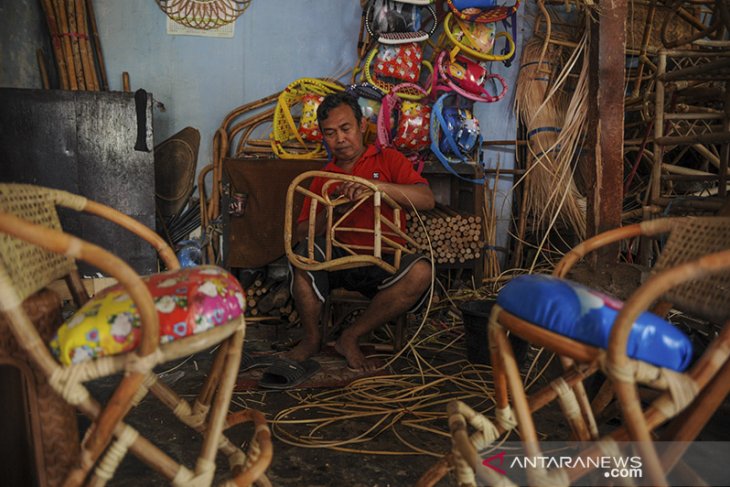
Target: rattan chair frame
x=384 y=233
x=614 y=362
x=28 y=220
x=704 y=383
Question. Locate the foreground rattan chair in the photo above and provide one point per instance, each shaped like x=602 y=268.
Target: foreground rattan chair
x=207 y=306
x=692 y=273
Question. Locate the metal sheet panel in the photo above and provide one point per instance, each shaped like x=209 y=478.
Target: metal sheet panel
x=83 y=142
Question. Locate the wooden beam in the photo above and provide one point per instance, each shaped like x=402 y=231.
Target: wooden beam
x=606 y=123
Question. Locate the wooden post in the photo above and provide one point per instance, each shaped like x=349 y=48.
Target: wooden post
x=606 y=132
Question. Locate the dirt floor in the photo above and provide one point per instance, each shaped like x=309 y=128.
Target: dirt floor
x=384 y=430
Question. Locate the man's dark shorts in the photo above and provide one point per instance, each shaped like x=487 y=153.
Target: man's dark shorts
x=368 y=280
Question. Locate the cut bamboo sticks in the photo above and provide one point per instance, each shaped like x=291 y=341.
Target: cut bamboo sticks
x=456 y=238
x=272 y=299
x=70 y=25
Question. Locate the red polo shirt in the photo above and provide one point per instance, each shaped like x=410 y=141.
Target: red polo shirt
x=387 y=165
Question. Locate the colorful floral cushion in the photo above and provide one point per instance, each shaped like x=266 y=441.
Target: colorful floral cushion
x=586 y=315
x=188 y=301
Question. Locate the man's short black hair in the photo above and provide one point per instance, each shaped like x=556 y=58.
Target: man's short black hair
x=333 y=100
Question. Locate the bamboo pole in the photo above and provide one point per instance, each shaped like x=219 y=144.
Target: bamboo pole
x=56 y=43
x=104 y=85
x=87 y=61
x=42 y=69
x=75 y=49
x=62 y=25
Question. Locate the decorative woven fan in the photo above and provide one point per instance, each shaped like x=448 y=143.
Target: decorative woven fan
x=203 y=14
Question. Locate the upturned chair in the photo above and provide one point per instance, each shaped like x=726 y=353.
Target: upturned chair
x=634 y=348
x=127 y=329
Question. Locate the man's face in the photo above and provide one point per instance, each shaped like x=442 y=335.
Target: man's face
x=344 y=134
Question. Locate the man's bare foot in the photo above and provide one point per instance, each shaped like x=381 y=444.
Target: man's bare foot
x=347 y=346
x=304 y=349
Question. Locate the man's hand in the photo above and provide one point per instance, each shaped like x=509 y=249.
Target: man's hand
x=353 y=191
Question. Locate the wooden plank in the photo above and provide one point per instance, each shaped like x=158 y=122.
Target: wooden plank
x=83 y=142
x=606 y=96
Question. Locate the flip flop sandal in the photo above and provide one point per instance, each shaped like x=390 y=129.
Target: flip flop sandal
x=249 y=362
x=286 y=374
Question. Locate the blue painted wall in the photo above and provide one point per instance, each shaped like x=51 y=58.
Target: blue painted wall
x=199 y=79
x=22 y=31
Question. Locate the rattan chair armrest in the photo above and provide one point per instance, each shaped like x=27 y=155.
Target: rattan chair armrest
x=81 y=203
x=649 y=229
x=650 y=291
x=63 y=243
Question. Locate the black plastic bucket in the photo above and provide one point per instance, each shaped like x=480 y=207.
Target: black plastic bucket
x=476 y=319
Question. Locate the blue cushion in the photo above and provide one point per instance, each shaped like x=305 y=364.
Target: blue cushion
x=583 y=314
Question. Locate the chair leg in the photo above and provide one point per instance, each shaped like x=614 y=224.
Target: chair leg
x=571 y=409
x=205 y=397
x=327 y=316
x=500 y=381
x=603 y=398
x=685 y=427
x=634 y=419
x=587 y=422
x=102 y=429
x=219 y=382
x=219 y=411
x=514 y=384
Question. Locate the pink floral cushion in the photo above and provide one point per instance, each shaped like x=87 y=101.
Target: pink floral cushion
x=188 y=301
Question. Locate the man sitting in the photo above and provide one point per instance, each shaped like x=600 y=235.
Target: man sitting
x=343 y=127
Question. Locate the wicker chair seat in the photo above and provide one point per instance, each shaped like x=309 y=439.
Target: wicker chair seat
x=586 y=315
x=188 y=301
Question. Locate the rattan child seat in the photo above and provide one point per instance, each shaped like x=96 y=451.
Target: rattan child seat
x=692 y=272
x=454 y=75
x=285 y=127
x=407 y=132
x=386 y=232
x=35 y=252
x=387 y=86
x=468 y=43
x=385 y=35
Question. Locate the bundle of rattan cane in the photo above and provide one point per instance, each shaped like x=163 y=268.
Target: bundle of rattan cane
x=456 y=238
x=76 y=46
x=554 y=117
